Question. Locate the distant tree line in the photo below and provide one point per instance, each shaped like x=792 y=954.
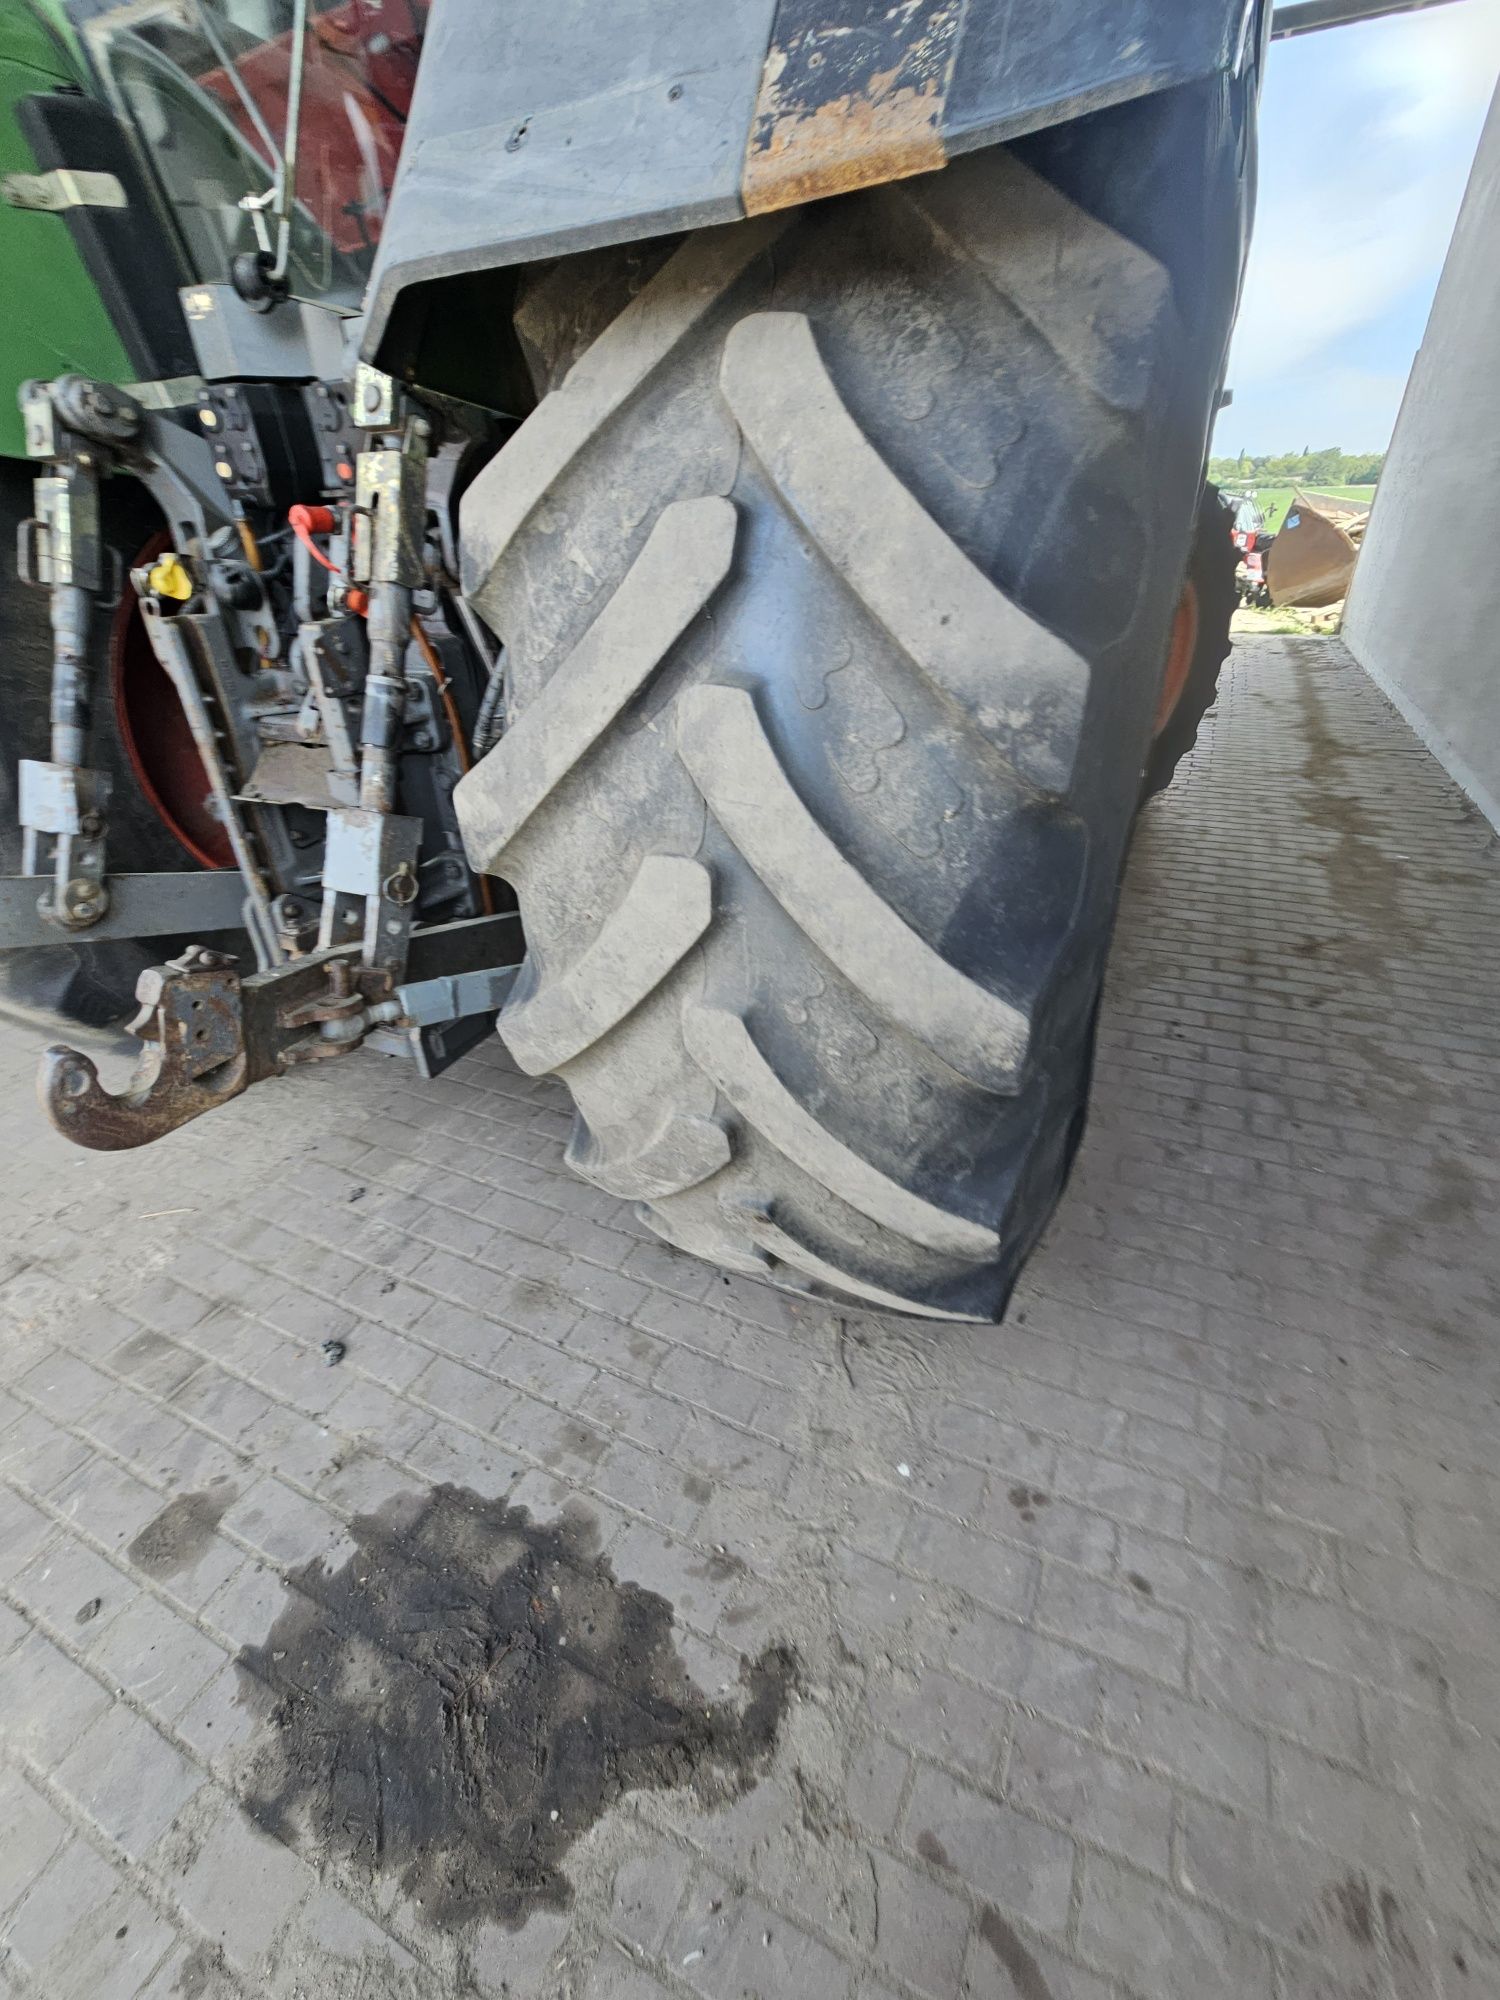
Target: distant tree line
x=1330 y=467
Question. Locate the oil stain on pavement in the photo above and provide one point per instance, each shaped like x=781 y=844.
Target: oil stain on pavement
x=182 y=1532
x=464 y=1697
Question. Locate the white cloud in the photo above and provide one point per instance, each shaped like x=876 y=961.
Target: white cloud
x=1441 y=64
x=1355 y=407
x=1368 y=135
x=1325 y=261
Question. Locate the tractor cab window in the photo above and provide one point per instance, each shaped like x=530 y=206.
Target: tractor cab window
x=1248 y=519
x=204 y=85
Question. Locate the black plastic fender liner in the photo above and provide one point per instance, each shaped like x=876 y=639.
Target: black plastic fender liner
x=536 y=132
x=126 y=251
x=832 y=679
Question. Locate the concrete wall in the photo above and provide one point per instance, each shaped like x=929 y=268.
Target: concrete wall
x=1423 y=616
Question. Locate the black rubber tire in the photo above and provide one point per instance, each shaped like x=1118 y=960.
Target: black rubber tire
x=832 y=679
x=88 y=983
x=1211 y=567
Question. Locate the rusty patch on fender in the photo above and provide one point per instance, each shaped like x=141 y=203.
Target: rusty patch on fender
x=847 y=105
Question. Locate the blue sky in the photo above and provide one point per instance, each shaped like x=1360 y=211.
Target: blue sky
x=1367 y=137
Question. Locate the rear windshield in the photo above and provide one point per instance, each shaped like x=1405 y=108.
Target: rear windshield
x=204 y=84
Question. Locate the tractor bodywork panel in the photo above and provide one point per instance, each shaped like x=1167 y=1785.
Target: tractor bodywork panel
x=54 y=318
x=535 y=132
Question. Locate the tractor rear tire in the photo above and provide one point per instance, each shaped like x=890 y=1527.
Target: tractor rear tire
x=836 y=579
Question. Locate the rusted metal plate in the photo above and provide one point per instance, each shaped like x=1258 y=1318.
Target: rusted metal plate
x=1312 y=558
x=849 y=96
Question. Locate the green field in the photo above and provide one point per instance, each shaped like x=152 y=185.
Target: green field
x=1272 y=500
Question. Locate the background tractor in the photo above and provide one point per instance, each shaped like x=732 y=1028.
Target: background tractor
x=614 y=516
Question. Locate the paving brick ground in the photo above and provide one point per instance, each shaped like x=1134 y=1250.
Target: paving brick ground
x=1150 y=1645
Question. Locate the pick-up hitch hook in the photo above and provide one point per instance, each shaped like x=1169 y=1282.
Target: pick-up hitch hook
x=193 y=1059
x=207 y=1035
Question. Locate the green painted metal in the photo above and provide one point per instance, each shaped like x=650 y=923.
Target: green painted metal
x=54 y=318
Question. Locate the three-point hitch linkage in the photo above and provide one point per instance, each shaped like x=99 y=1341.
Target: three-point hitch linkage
x=330 y=674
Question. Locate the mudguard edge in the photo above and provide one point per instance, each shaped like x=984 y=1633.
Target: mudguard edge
x=536 y=132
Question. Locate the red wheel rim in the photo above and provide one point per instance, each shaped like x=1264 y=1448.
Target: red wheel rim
x=155 y=734
x=1180 y=650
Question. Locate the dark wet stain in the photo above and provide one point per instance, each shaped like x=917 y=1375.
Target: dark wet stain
x=1026 y=1500
x=1025 y=1974
x=1456 y=1196
x=154 y=1361
x=1450 y=1205
x=1365 y=875
x=1141 y=1583
x=1396 y=1937
x=578 y=1441
x=176 y=1537
x=696 y=1487
x=720 y=1567
x=143 y=1347
x=467 y=1694
x=932 y=1849
x=199 y=1971
x=1427 y=1669
x=1349 y=1901
x=539 y=1292
x=1483 y=1872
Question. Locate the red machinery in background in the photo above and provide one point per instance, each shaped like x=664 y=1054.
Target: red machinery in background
x=360 y=69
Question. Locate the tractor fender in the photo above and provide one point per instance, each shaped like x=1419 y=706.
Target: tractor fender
x=536 y=131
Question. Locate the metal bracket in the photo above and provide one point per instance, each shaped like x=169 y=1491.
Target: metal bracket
x=374 y=398
x=333 y=660
x=170 y=647
x=61 y=543
x=442 y=1019
x=63 y=188
x=370 y=884
x=390 y=511
x=208 y=1036
x=427 y=1003
x=210 y=899
x=65 y=805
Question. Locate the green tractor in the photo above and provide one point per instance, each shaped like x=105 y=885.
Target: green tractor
x=612 y=519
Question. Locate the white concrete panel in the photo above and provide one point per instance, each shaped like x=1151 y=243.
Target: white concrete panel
x=1423 y=617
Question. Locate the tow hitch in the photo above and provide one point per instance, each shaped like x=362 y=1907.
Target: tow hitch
x=208 y=1035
